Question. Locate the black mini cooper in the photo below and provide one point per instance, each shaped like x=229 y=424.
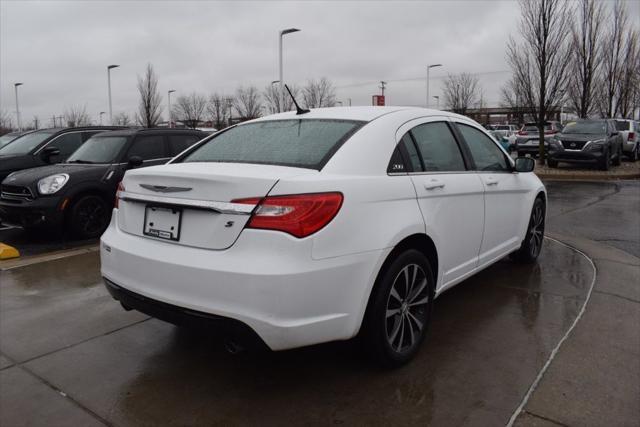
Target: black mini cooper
x=79 y=194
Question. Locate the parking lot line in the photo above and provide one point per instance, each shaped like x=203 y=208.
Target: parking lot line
x=555 y=350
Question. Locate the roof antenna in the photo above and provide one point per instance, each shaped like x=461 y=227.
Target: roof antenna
x=298 y=109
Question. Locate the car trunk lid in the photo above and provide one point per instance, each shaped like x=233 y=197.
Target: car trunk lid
x=190 y=203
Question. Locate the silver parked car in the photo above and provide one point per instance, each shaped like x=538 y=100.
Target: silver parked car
x=629 y=130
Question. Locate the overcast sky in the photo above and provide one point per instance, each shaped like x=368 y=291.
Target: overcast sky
x=60 y=49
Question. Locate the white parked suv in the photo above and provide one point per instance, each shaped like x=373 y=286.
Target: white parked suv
x=292 y=230
x=630 y=132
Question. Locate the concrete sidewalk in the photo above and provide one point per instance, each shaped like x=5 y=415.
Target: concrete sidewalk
x=594 y=379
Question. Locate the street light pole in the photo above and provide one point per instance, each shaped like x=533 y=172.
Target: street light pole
x=15 y=86
x=429 y=69
x=169 y=98
x=109 y=86
x=101 y=113
x=437 y=101
x=282 y=33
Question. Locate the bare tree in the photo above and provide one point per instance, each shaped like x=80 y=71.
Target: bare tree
x=612 y=52
x=586 y=48
x=247 y=102
x=5 y=122
x=149 y=108
x=77 y=116
x=271 y=95
x=461 y=92
x=319 y=93
x=190 y=109
x=540 y=61
x=122 y=119
x=218 y=110
x=629 y=81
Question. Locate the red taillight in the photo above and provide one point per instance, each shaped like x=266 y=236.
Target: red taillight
x=298 y=214
x=523 y=132
x=120 y=188
x=550 y=132
x=631 y=136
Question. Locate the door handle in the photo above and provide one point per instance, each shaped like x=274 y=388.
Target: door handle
x=491 y=181
x=433 y=184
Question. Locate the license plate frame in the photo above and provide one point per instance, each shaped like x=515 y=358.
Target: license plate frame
x=164 y=225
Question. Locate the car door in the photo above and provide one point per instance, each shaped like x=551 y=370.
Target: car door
x=505 y=207
x=449 y=194
x=151 y=148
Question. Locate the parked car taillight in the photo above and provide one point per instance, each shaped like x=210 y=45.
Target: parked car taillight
x=550 y=132
x=120 y=188
x=631 y=136
x=523 y=133
x=298 y=214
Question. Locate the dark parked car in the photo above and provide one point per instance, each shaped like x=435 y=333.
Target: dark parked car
x=12 y=136
x=596 y=142
x=79 y=194
x=528 y=138
x=44 y=147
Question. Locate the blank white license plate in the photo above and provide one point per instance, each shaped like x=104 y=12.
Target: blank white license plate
x=163 y=223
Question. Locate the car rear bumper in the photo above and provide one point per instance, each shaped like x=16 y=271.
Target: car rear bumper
x=267 y=281
x=42 y=211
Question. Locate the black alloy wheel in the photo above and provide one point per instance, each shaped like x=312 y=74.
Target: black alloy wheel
x=89 y=217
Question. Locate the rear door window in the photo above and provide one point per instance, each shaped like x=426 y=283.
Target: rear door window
x=405 y=157
x=438 y=148
x=305 y=143
x=148 y=147
x=179 y=143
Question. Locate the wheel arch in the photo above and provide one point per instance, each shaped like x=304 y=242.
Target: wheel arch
x=419 y=241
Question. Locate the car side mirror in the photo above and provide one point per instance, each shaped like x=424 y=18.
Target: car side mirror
x=134 y=162
x=49 y=152
x=525 y=164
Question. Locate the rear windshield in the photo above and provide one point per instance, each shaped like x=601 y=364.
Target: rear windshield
x=623 y=125
x=532 y=127
x=305 y=143
x=26 y=143
x=99 y=149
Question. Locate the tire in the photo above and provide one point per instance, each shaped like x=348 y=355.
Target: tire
x=605 y=163
x=618 y=160
x=399 y=310
x=635 y=154
x=552 y=163
x=88 y=217
x=532 y=243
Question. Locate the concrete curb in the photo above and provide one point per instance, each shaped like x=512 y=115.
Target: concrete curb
x=50 y=256
x=587 y=176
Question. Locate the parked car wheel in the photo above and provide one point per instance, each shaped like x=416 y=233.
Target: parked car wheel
x=532 y=244
x=89 y=217
x=618 y=159
x=400 y=308
x=605 y=163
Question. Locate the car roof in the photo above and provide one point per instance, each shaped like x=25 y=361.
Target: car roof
x=361 y=113
x=128 y=132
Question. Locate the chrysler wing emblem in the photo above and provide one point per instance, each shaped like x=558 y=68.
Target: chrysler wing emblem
x=164 y=188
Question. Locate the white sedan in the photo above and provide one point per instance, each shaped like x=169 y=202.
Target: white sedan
x=298 y=229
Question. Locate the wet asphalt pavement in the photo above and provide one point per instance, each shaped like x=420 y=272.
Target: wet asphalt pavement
x=69 y=355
